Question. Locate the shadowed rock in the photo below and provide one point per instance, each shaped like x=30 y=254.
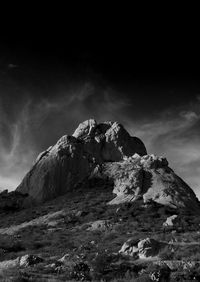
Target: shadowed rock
x=130 y=248
x=14 y=201
x=58 y=171
x=28 y=260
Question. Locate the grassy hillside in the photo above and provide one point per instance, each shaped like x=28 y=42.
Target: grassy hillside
x=64 y=227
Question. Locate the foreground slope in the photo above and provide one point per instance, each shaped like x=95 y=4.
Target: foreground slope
x=79 y=237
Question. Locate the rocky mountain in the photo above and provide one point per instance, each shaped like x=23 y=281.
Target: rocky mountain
x=73 y=158
x=106 y=150
x=96 y=207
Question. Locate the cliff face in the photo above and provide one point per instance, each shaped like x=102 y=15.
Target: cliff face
x=72 y=159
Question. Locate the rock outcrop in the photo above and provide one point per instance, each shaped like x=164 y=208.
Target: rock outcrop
x=63 y=166
x=28 y=260
x=148 y=178
x=130 y=248
x=141 y=248
x=171 y=221
x=100 y=225
x=24 y=261
x=149 y=248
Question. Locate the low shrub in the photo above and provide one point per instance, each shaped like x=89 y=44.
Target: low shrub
x=10 y=244
x=81 y=272
x=166 y=253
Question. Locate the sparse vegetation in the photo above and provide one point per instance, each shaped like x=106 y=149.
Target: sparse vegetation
x=93 y=255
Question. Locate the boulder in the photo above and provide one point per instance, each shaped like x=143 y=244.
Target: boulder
x=130 y=248
x=171 y=221
x=63 y=166
x=142 y=248
x=28 y=260
x=86 y=128
x=24 y=261
x=148 y=248
x=101 y=225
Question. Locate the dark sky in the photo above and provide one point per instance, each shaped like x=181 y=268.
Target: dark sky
x=50 y=81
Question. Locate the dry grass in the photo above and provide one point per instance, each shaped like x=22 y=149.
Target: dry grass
x=70 y=236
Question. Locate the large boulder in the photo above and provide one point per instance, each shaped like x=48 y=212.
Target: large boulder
x=147 y=178
x=29 y=260
x=130 y=248
x=72 y=159
x=149 y=248
x=142 y=248
x=24 y=261
x=171 y=221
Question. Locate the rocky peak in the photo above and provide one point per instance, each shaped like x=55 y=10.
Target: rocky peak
x=106 y=151
x=72 y=159
x=108 y=141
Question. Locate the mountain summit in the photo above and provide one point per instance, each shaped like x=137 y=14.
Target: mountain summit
x=106 y=151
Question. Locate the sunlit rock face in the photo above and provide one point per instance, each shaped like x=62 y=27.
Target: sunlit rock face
x=57 y=170
x=108 y=141
x=72 y=159
x=141 y=249
x=148 y=178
